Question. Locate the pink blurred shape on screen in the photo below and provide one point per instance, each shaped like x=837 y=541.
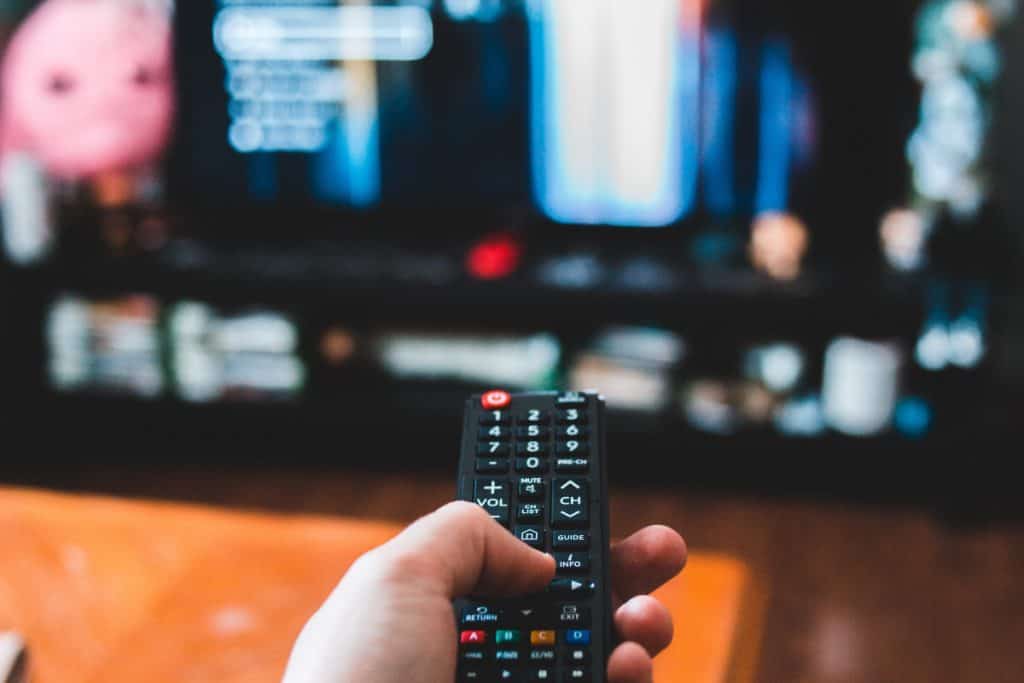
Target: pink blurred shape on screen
x=86 y=87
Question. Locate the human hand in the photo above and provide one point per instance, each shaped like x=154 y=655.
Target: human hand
x=390 y=618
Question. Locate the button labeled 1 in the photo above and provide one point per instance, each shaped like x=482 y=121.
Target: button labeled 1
x=569 y=502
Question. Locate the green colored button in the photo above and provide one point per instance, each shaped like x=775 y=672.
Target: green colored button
x=506 y=637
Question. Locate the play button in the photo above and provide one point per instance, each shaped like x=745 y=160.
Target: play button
x=572 y=586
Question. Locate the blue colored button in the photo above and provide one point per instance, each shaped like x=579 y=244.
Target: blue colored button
x=577 y=637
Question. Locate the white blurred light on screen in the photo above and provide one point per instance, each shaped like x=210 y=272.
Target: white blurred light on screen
x=462 y=9
x=860 y=385
x=246 y=135
x=297 y=33
x=613 y=104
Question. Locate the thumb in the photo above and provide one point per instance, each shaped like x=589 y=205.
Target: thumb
x=468 y=553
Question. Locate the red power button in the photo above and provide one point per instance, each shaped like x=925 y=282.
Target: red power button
x=493 y=400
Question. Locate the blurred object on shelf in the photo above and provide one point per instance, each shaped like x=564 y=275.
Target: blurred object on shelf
x=26 y=210
x=800 y=416
x=861 y=384
x=755 y=403
x=914 y=416
x=105 y=109
x=778 y=366
x=708 y=406
x=520 y=361
x=647 y=344
x=904 y=235
x=632 y=367
x=646 y=274
x=579 y=270
x=954 y=331
x=625 y=384
x=338 y=345
x=247 y=355
x=778 y=242
x=956 y=59
x=109 y=346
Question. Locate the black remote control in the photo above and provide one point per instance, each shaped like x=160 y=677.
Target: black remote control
x=536 y=462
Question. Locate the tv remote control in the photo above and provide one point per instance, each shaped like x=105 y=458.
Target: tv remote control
x=536 y=462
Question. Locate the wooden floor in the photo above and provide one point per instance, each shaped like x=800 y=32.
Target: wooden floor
x=872 y=594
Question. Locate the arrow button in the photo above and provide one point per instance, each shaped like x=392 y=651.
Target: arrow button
x=575 y=586
x=570 y=502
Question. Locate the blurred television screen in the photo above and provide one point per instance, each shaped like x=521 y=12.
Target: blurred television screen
x=757 y=215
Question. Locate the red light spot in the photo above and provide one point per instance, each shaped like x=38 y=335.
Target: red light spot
x=494 y=257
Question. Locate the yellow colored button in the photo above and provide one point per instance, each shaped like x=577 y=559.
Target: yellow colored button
x=542 y=638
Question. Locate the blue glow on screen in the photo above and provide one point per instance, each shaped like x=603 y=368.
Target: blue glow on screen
x=348 y=168
x=614 y=130
x=776 y=127
x=719 y=123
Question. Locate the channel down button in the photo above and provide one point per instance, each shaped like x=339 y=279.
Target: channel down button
x=569 y=502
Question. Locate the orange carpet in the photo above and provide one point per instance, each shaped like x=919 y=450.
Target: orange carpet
x=122 y=591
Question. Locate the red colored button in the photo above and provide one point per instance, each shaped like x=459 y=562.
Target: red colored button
x=493 y=400
x=473 y=637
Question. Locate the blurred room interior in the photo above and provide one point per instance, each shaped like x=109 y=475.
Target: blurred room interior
x=255 y=254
